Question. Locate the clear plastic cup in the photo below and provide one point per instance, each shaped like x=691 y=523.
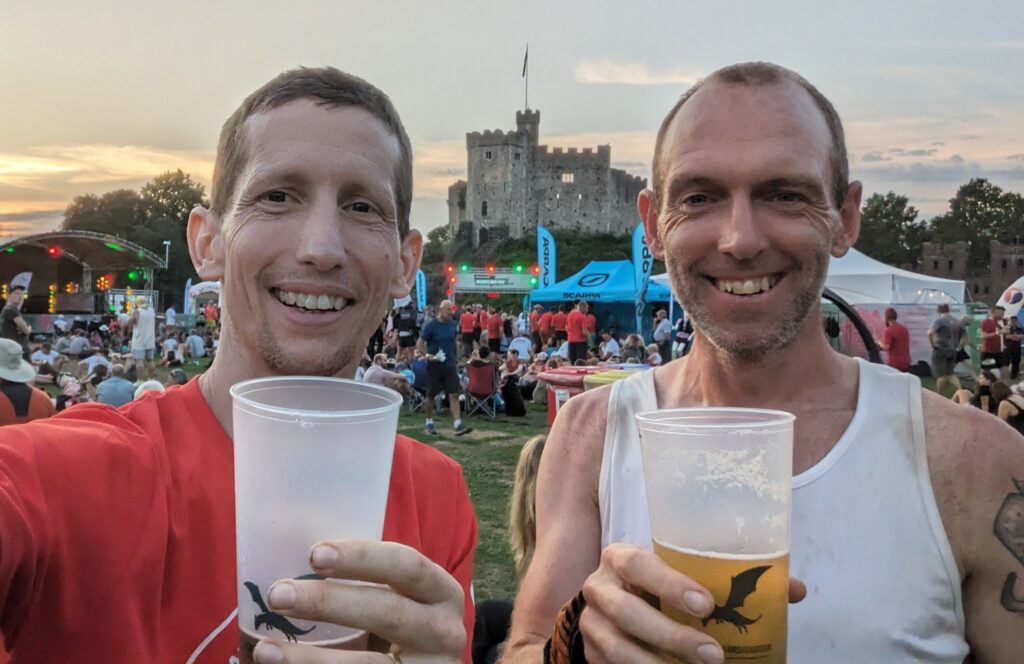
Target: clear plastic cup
x=312 y=462
x=718 y=490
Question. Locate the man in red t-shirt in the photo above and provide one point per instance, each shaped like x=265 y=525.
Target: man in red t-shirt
x=576 y=330
x=558 y=323
x=535 y=327
x=494 y=331
x=545 y=326
x=992 y=341
x=467 y=321
x=895 y=342
x=117 y=540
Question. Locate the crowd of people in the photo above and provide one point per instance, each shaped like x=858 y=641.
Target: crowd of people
x=895 y=495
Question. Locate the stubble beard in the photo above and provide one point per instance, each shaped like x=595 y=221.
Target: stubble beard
x=288 y=364
x=752 y=347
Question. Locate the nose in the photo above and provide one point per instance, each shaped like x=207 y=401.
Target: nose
x=321 y=240
x=742 y=236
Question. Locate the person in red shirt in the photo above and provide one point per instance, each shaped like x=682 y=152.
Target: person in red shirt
x=591 y=329
x=19 y=400
x=467 y=321
x=558 y=323
x=481 y=323
x=117 y=539
x=992 y=340
x=535 y=327
x=494 y=331
x=576 y=330
x=895 y=342
x=545 y=325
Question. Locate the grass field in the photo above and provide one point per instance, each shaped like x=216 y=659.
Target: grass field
x=488 y=456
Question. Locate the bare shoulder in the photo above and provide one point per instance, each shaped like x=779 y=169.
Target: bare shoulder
x=973 y=458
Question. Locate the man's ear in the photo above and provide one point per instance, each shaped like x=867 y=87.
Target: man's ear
x=647 y=207
x=409 y=257
x=206 y=244
x=849 y=221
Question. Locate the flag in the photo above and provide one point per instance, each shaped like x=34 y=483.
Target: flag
x=22 y=279
x=525 y=59
x=421 y=290
x=546 y=257
x=186 y=301
x=643 y=263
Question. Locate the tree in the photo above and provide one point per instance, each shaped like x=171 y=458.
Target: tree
x=889 y=230
x=115 y=212
x=979 y=213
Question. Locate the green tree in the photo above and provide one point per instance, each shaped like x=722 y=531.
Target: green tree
x=979 y=213
x=115 y=212
x=890 y=231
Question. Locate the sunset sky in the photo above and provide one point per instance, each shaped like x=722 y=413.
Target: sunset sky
x=102 y=95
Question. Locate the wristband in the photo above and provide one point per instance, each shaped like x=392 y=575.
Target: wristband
x=566 y=643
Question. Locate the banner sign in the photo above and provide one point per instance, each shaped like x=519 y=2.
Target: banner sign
x=546 y=257
x=643 y=263
x=421 y=290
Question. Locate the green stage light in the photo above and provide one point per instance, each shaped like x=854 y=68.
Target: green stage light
x=519 y=268
x=10 y=250
x=133 y=275
x=533 y=281
x=463 y=268
x=113 y=245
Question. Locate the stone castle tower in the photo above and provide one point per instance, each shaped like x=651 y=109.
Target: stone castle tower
x=513 y=184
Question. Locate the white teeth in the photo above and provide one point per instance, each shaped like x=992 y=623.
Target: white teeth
x=324 y=303
x=311 y=302
x=747 y=287
x=308 y=302
x=289 y=298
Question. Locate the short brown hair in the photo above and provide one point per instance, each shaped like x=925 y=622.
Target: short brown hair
x=758 y=74
x=328 y=87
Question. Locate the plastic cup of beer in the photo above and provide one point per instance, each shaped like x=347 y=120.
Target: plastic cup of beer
x=718 y=491
x=312 y=462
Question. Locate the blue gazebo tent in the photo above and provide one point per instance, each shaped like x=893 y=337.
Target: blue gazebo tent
x=609 y=288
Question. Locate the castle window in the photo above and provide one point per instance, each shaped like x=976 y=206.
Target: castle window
x=975 y=289
x=568 y=178
x=950 y=265
x=935 y=265
x=483 y=209
x=579 y=197
x=517 y=156
x=1004 y=263
x=487 y=155
x=986 y=290
x=1020 y=262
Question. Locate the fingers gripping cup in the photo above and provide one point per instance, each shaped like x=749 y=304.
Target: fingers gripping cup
x=718 y=488
x=312 y=462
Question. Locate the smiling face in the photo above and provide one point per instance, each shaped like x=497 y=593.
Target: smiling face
x=744 y=221
x=309 y=249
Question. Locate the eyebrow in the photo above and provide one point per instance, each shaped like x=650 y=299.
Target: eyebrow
x=806 y=184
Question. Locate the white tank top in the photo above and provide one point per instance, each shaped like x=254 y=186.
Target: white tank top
x=867 y=538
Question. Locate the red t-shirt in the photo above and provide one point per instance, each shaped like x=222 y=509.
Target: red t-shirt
x=481 y=319
x=558 y=321
x=576 y=326
x=897 y=340
x=591 y=323
x=992 y=344
x=494 y=326
x=117 y=531
x=545 y=323
x=534 y=321
x=466 y=322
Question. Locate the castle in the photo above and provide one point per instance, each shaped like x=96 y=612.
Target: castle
x=513 y=184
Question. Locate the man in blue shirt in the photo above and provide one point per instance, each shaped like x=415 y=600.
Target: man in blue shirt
x=115 y=391
x=437 y=340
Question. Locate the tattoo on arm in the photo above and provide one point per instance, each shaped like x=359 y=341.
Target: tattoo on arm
x=1009 y=529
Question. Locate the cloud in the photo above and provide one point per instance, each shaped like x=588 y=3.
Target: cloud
x=939 y=143
x=953 y=171
x=609 y=71
x=875 y=156
x=919 y=152
x=1019 y=156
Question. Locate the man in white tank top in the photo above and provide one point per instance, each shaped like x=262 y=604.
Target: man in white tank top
x=908 y=523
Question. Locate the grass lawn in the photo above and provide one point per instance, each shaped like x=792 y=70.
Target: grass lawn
x=488 y=456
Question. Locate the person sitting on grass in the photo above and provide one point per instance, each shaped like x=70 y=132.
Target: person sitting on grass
x=378 y=374
x=653 y=356
x=983 y=397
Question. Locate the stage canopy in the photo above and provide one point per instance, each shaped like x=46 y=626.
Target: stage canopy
x=97 y=251
x=603 y=282
x=860 y=279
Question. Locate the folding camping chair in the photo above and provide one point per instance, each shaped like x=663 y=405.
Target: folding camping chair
x=483 y=386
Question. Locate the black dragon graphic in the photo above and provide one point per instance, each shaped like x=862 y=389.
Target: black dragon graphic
x=1009 y=529
x=743 y=584
x=271 y=620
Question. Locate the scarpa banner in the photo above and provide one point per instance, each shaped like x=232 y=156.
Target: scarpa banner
x=643 y=263
x=421 y=290
x=546 y=257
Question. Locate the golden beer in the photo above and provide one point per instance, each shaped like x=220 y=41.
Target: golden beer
x=751 y=598
x=362 y=641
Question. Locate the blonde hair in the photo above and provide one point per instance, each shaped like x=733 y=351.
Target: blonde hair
x=522 y=513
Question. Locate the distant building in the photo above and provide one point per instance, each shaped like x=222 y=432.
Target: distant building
x=985 y=282
x=513 y=184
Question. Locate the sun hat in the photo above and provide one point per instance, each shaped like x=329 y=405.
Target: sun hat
x=13 y=367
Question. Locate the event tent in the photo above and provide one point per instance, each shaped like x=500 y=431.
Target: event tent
x=860 y=279
x=606 y=282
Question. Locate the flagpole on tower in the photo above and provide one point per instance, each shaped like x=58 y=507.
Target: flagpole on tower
x=526 y=75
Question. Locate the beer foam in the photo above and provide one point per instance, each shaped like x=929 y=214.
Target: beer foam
x=718 y=555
